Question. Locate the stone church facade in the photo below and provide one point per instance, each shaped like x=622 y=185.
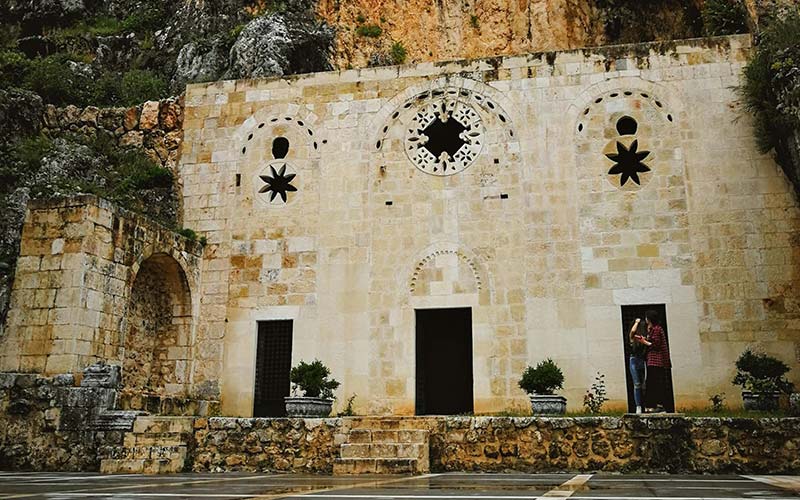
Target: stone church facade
x=429 y=231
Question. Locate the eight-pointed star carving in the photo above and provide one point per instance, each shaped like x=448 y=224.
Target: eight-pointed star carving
x=628 y=162
x=279 y=183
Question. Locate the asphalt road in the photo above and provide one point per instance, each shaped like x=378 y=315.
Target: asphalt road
x=433 y=486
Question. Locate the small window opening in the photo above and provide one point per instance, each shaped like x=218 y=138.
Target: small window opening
x=238 y=180
x=627 y=126
x=280 y=148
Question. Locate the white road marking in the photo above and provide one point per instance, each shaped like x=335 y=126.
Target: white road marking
x=568 y=488
x=68 y=479
x=784 y=482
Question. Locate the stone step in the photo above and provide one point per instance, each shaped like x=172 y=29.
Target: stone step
x=166 y=439
x=145 y=452
x=344 y=466
x=387 y=423
x=139 y=466
x=114 y=420
x=163 y=425
x=384 y=450
x=415 y=436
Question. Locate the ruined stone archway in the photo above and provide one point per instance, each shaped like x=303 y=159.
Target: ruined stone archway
x=157 y=342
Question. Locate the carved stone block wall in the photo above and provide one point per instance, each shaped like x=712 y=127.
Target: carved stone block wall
x=72 y=292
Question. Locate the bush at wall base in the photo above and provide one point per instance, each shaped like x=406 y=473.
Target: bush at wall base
x=762 y=379
x=308 y=407
x=548 y=404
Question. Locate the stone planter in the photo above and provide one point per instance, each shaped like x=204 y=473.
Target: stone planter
x=308 y=407
x=548 y=404
x=760 y=401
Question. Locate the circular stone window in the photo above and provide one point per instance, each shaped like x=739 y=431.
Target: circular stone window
x=275 y=183
x=444 y=137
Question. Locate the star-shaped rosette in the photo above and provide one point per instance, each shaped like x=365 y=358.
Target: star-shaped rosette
x=628 y=162
x=278 y=183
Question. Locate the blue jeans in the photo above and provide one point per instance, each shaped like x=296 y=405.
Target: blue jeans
x=637 y=367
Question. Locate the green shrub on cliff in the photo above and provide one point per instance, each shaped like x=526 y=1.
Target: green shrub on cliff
x=771 y=91
x=14 y=67
x=771 y=87
x=139 y=85
x=724 y=17
x=53 y=79
x=369 y=30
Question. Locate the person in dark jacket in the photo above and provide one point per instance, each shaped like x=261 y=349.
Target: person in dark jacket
x=657 y=396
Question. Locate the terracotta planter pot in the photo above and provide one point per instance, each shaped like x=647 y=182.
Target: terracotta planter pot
x=548 y=404
x=308 y=407
x=760 y=401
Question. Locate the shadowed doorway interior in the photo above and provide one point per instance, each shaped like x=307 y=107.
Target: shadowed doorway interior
x=444 y=361
x=629 y=315
x=273 y=364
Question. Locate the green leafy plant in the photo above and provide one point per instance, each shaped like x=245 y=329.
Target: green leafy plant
x=724 y=17
x=14 y=67
x=545 y=378
x=56 y=83
x=759 y=372
x=369 y=30
x=473 y=21
x=348 y=409
x=771 y=89
x=139 y=85
x=312 y=379
x=398 y=53
x=717 y=402
x=595 y=397
x=187 y=233
x=360 y=19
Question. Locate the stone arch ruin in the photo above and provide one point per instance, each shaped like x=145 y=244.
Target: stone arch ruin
x=157 y=336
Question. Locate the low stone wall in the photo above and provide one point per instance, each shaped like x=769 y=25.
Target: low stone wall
x=650 y=444
x=39 y=430
x=45 y=423
x=155 y=126
x=262 y=444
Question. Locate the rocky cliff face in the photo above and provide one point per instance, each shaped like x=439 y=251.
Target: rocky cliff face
x=453 y=29
x=370 y=32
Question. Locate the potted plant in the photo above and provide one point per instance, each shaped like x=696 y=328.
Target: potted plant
x=762 y=380
x=317 y=390
x=540 y=384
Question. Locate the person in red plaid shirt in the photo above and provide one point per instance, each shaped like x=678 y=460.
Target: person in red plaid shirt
x=658 y=365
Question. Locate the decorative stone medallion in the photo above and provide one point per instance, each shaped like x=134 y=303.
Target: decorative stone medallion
x=444 y=137
x=274 y=183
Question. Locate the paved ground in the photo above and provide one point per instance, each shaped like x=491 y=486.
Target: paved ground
x=433 y=486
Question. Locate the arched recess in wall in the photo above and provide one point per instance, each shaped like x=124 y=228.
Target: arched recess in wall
x=446 y=269
x=157 y=336
x=445 y=127
x=627 y=132
x=277 y=152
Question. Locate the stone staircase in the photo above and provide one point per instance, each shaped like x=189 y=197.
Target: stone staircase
x=157 y=445
x=383 y=446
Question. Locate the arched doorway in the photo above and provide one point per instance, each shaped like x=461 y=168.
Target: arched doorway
x=157 y=342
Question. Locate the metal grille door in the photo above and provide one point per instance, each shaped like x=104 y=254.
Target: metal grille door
x=273 y=363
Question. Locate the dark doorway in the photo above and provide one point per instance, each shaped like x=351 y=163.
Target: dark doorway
x=273 y=363
x=629 y=315
x=444 y=361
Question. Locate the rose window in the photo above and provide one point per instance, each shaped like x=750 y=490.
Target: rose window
x=445 y=137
